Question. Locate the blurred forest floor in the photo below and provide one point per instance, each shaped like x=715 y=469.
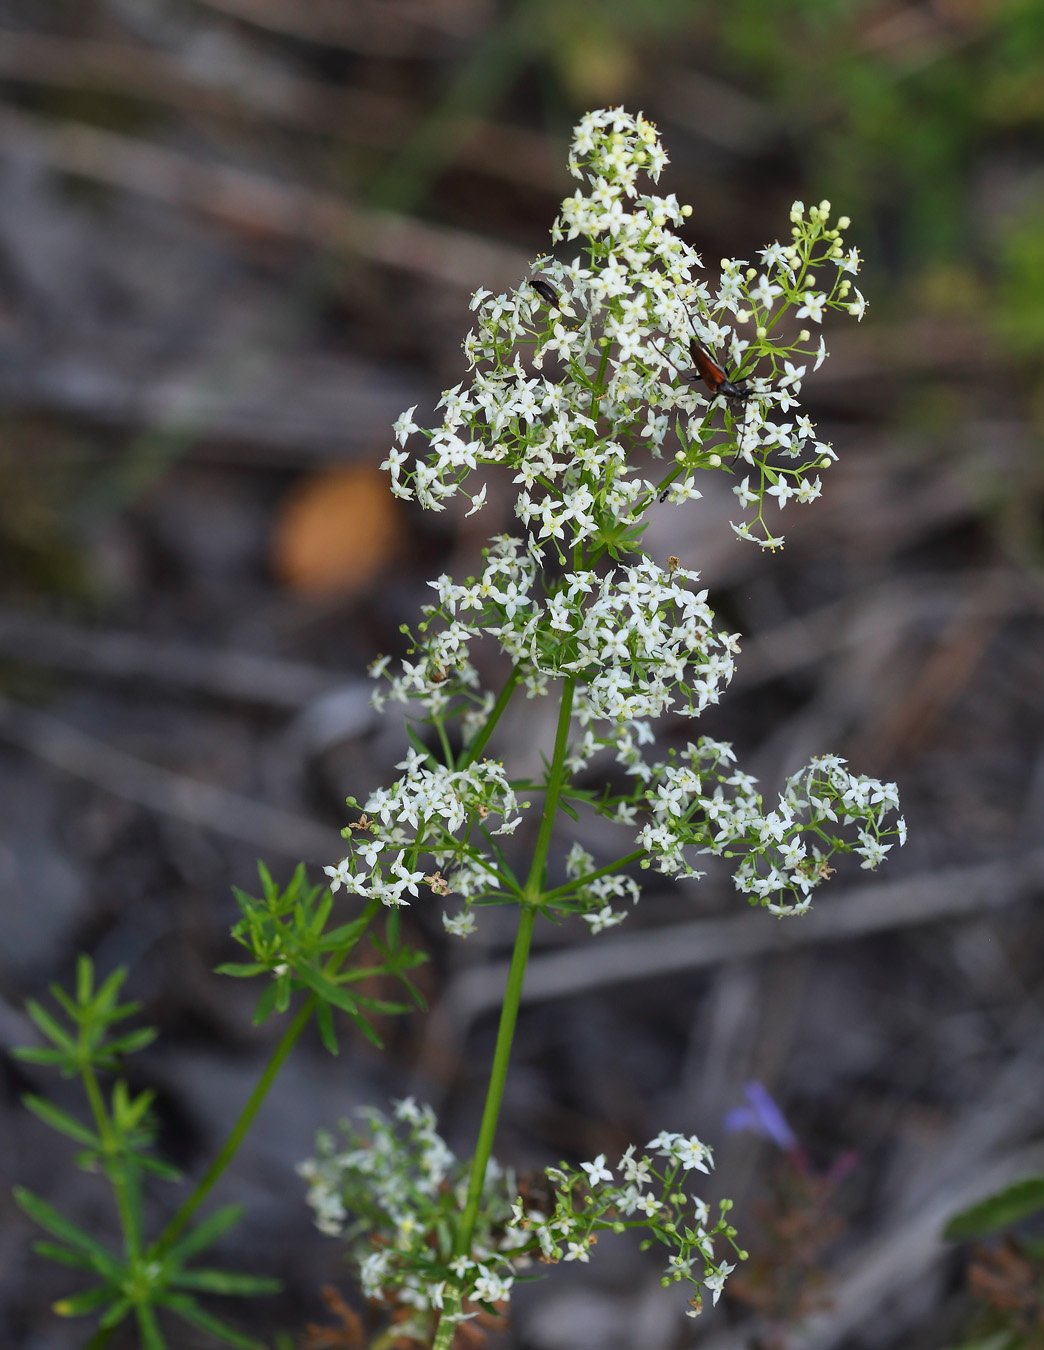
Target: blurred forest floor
x=237 y=239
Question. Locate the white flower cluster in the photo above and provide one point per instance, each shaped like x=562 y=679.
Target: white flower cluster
x=378 y=1157
x=424 y=811
x=392 y=1188
x=593 y=893
x=638 y=638
x=699 y=803
x=617 y=338
x=579 y=376
x=588 y=1200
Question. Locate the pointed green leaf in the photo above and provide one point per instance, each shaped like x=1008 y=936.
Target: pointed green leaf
x=226 y=1282
x=114 y=1316
x=246 y=902
x=347 y=935
x=367 y=1030
x=129 y=1111
x=59 y=1226
x=34 y=1056
x=327 y=1033
x=63 y=1256
x=60 y=1120
x=1000 y=1210
x=86 y=1300
x=52 y=1029
x=158 y=1167
x=149 y=1329
x=84 y=978
x=384 y=1006
x=132 y=1042
x=415 y=994
x=327 y=989
x=189 y=1311
x=240 y=970
x=206 y=1232
x=268 y=887
x=284 y=987
x=68 y=1005
x=121 y=1012
x=322 y=913
x=266 y=1003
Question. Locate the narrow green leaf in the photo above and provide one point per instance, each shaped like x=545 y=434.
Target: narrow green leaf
x=383 y=1007
x=86 y=1300
x=322 y=913
x=59 y=1226
x=1000 y=1210
x=122 y=1012
x=358 y=974
x=226 y=1282
x=346 y=936
x=129 y=1111
x=245 y=902
x=189 y=1311
x=327 y=989
x=151 y=1336
x=240 y=970
x=206 y=1232
x=327 y=1032
x=49 y=1057
x=132 y=1042
x=84 y=978
x=60 y=1120
x=63 y=1256
x=268 y=887
x=415 y=994
x=266 y=1003
x=284 y=988
x=114 y=1317
x=158 y=1167
x=367 y=1030
x=52 y=1029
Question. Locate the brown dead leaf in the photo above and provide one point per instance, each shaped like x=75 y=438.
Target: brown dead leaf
x=336 y=531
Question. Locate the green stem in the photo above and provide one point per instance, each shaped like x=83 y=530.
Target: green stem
x=254 y=1102
x=228 y=1151
x=494 y=1096
x=528 y=911
x=498 y=1076
x=115 y=1167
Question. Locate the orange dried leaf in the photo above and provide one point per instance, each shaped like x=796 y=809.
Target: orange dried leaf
x=336 y=531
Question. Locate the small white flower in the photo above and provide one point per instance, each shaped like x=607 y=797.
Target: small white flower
x=460 y=925
x=597 y=1171
x=405 y=426
x=716 y=1282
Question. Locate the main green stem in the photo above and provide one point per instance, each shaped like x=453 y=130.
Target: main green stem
x=528 y=910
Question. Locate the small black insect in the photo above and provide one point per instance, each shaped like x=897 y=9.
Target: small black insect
x=544 y=289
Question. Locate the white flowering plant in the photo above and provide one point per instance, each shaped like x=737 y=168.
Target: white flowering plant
x=602 y=387
x=581 y=380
